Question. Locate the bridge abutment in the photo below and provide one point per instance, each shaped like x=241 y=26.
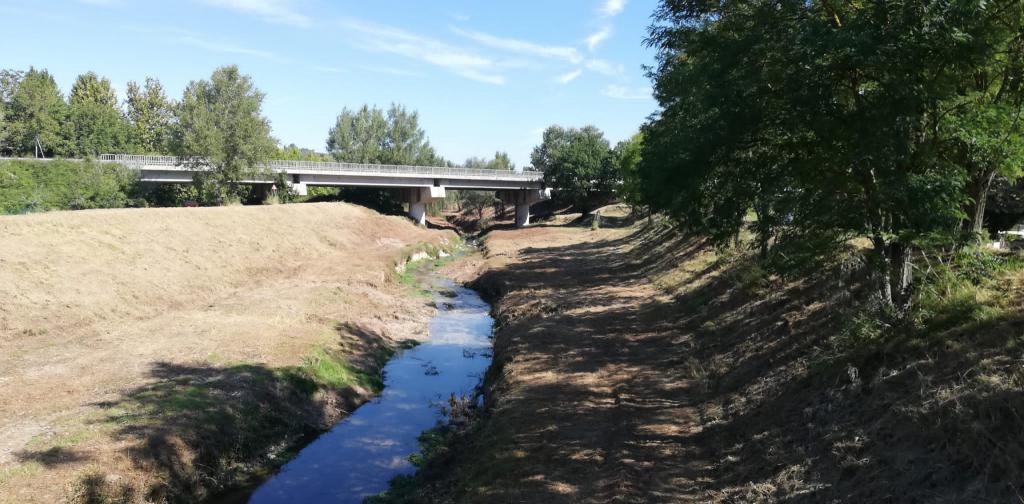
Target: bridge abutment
x=417 y=198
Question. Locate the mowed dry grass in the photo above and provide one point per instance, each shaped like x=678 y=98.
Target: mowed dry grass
x=92 y=302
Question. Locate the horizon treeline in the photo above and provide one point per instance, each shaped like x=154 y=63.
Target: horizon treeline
x=38 y=120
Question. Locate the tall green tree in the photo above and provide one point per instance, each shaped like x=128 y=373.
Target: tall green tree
x=37 y=112
x=221 y=131
x=371 y=135
x=151 y=116
x=826 y=118
x=577 y=162
x=9 y=80
x=626 y=157
x=95 y=123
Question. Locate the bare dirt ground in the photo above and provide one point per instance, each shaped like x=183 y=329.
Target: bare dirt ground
x=116 y=325
x=636 y=365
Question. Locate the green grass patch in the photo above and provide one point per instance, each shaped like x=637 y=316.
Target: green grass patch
x=328 y=370
x=9 y=474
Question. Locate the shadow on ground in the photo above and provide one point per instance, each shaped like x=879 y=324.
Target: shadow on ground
x=201 y=429
x=605 y=389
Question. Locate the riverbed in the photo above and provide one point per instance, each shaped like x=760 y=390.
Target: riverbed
x=371 y=446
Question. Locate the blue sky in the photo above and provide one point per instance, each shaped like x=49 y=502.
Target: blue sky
x=484 y=75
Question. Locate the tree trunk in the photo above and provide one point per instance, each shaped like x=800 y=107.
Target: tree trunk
x=896 y=276
x=978 y=192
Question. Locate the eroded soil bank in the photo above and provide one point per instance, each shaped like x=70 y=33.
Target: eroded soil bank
x=636 y=365
x=169 y=354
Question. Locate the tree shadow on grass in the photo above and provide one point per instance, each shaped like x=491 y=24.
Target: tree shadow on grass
x=725 y=395
x=200 y=429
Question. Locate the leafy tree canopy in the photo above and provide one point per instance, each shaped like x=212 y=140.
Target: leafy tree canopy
x=501 y=161
x=95 y=125
x=576 y=162
x=371 y=135
x=222 y=130
x=36 y=110
x=832 y=120
x=151 y=116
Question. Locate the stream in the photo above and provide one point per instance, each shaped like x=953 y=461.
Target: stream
x=360 y=454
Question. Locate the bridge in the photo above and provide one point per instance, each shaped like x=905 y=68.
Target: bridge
x=417 y=185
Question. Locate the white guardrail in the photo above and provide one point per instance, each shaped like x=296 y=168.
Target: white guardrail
x=134 y=160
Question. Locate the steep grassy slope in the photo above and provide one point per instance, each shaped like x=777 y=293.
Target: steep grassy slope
x=168 y=353
x=637 y=365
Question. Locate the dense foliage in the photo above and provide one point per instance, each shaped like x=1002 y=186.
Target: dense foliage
x=578 y=163
x=832 y=121
x=221 y=130
x=35 y=186
x=371 y=135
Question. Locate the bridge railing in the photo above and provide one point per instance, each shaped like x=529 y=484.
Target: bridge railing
x=334 y=167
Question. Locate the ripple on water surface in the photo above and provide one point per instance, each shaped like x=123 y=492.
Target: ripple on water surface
x=362 y=453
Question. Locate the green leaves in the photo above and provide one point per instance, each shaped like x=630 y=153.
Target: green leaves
x=151 y=115
x=373 y=136
x=221 y=129
x=37 y=111
x=834 y=120
x=576 y=162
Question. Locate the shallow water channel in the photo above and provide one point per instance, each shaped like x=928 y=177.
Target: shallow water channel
x=364 y=451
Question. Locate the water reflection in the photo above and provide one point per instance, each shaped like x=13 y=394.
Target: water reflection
x=363 y=452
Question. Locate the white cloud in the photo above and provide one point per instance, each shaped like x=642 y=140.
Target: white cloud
x=600 y=36
x=624 y=93
x=569 y=77
x=277 y=11
x=388 y=70
x=225 y=48
x=613 y=7
x=327 y=69
x=381 y=38
x=569 y=54
x=605 y=68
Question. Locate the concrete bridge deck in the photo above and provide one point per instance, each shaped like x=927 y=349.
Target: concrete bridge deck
x=420 y=184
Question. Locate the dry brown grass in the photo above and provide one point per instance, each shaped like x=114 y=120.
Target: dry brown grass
x=99 y=307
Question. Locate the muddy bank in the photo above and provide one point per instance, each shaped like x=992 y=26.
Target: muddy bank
x=637 y=365
x=171 y=353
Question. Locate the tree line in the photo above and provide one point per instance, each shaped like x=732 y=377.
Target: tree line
x=813 y=123
x=216 y=126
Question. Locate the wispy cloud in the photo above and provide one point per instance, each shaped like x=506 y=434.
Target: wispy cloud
x=624 y=93
x=277 y=11
x=600 y=36
x=569 y=54
x=327 y=69
x=569 y=77
x=603 y=67
x=224 y=47
x=612 y=7
x=389 y=71
x=462 y=62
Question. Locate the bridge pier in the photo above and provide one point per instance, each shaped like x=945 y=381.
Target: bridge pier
x=522 y=199
x=418 y=197
x=298 y=186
